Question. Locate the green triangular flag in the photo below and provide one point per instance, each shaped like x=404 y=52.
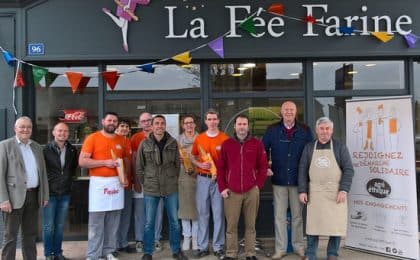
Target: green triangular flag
x=38 y=73
x=49 y=78
x=248 y=25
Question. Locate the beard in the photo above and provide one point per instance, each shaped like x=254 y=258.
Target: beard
x=110 y=129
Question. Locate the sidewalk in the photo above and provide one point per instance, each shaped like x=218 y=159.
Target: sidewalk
x=77 y=249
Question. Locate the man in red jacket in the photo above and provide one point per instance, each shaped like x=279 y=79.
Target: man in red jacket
x=241 y=173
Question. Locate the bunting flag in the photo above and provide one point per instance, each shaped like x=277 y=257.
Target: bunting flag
x=147 y=68
x=217 y=46
x=346 y=30
x=19 y=82
x=309 y=19
x=411 y=40
x=83 y=84
x=383 y=36
x=38 y=73
x=74 y=79
x=248 y=25
x=10 y=60
x=111 y=78
x=276 y=8
x=49 y=78
x=184 y=57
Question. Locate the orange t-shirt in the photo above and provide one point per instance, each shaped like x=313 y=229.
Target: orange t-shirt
x=211 y=145
x=100 y=146
x=136 y=139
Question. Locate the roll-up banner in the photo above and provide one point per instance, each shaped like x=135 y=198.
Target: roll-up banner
x=382 y=201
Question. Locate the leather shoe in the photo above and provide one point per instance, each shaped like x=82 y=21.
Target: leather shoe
x=200 y=253
x=147 y=257
x=180 y=256
x=251 y=257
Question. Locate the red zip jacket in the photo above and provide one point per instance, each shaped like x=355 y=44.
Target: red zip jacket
x=242 y=166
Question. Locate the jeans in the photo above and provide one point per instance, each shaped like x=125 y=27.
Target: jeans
x=139 y=219
x=54 y=216
x=332 y=248
x=171 y=205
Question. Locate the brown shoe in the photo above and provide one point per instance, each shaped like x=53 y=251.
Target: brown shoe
x=304 y=258
x=332 y=257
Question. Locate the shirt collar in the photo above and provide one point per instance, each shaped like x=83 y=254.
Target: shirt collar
x=20 y=142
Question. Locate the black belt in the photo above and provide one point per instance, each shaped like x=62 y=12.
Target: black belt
x=205 y=175
x=31 y=189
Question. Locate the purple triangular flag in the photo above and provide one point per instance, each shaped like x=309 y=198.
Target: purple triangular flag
x=411 y=40
x=217 y=47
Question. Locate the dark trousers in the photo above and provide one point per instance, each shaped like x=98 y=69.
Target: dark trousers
x=26 y=218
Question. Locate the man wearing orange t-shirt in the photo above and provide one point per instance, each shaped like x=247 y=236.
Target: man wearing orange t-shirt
x=100 y=153
x=207 y=190
x=145 y=123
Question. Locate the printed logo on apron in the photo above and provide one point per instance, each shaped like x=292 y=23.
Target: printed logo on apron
x=323 y=162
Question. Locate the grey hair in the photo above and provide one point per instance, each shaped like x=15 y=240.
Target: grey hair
x=26 y=118
x=324 y=120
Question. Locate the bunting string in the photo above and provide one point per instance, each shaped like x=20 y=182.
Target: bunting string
x=78 y=81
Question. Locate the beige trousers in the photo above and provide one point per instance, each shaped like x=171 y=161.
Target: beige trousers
x=248 y=204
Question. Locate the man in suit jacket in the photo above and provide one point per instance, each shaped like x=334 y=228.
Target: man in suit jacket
x=23 y=188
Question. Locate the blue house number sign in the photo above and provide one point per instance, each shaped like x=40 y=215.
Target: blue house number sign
x=36 y=49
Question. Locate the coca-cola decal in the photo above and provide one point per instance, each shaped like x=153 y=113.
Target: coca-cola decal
x=72 y=115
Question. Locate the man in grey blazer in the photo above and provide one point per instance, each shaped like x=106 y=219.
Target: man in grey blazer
x=23 y=188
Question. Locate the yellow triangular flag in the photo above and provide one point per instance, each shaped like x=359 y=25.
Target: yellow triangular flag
x=183 y=57
x=383 y=36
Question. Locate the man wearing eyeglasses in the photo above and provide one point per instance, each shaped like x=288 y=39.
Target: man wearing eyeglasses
x=145 y=124
x=23 y=189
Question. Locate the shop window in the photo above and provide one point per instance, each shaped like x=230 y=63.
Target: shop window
x=417 y=110
x=165 y=79
x=58 y=103
x=354 y=75
x=245 y=77
x=335 y=109
x=131 y=109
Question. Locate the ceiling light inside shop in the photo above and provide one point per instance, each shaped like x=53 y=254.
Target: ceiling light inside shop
x=370 y=64
x=186 y=66
x=294 y=74
x=242 y=68
x=352 y=72
x=237 y=74
x=248 y=65
x=112 y=69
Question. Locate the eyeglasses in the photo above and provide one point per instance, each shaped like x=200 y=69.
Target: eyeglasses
x=146 y=120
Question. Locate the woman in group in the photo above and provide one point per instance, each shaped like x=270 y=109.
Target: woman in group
x=187 y=184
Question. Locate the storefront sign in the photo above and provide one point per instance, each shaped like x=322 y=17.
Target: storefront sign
x=382 y=200
x=275 y=26
x=73 y=115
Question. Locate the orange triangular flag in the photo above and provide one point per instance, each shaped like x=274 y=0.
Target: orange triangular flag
x=276 y=8
x=184 y=57
x=19 y=82
x=74 y=79
x=111 y=77
x=383 y=36
x=83 y=83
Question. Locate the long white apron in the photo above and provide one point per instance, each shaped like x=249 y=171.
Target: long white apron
x=325 y=216
x=105 y=194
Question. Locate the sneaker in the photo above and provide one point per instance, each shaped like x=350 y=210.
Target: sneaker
x=139 y=246
x=111 y=256
x=231 y=258
x=50 y=257
x=251 y=257
x=200 y=253
x=147 y=257
x=180 y=256
x=300 y=252
x=186 y=244
x=220 y=254
x=127 y=250
x=278 y=255
x=158 y=246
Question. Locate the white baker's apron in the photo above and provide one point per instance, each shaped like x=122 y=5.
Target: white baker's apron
x=325 y=216
x=105 y=194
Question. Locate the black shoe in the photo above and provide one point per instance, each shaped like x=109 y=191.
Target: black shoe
x=180 y=256
x=251 y=257
x=230 y=258
x=147 y=257
x=200 y=253
x=220 y=254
